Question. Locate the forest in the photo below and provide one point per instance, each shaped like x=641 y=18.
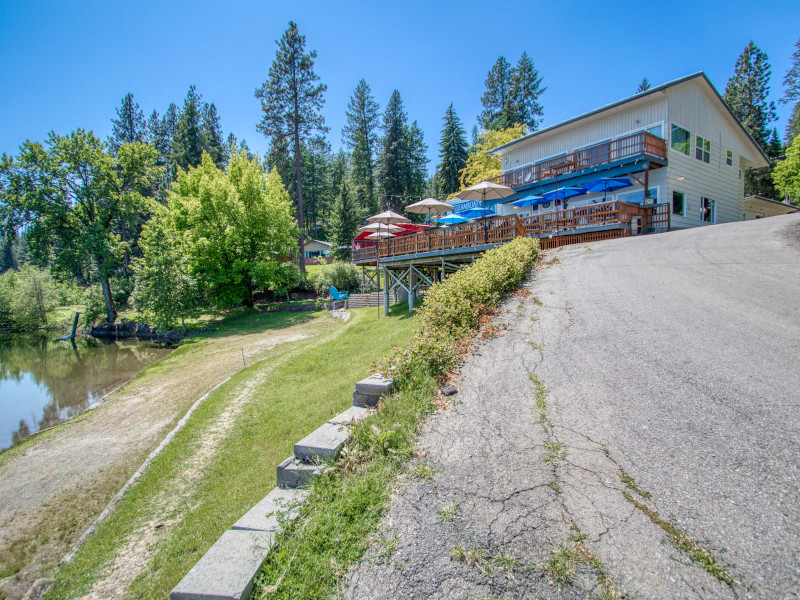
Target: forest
x=170 y=216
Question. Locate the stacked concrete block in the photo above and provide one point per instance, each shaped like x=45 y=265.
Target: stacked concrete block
x=369 y=391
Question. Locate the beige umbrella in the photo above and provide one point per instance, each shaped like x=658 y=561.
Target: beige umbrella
x=381 y=227
x=485 y=190
x=379 y=235
x=429 y=206
x=388 y=216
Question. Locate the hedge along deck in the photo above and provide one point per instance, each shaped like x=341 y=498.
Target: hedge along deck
x=227 y=571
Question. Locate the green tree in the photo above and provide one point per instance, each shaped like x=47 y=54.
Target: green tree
x=787 y=173
x=129 y=126
x=416 y=164
x=344 y=225
x=644 y=85
x=166 y=289
x=760 y=181
x=747 y=92
x=481 y=166
x=238 y=225
x=497 y=99
x=292 y=100
x=279 y=158
x=318 y=192
x=212 y=135
x=360 y=136
x=526 y=88
x=791 y=93
x=393 y=159
x=188 y=143
x=72 y=196
x=452 y=153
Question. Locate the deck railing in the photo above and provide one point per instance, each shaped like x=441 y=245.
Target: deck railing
x=365 y=255
x=563 y=223
x=599 y=154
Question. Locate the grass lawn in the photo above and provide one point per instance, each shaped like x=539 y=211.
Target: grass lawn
x=224 y=460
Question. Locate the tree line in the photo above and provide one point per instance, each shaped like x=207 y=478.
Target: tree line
x=171 y=215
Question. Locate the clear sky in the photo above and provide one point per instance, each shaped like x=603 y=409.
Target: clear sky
x=68 y=64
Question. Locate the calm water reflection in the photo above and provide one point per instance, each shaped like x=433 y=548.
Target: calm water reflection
x=43 y=382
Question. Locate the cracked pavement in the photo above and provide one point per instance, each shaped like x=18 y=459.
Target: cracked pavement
x=673 y=357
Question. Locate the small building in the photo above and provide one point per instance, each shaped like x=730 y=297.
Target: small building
x=758 y=207
x=678 y=143
x=316 y=248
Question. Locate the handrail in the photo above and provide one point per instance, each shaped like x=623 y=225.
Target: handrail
x=599 y=154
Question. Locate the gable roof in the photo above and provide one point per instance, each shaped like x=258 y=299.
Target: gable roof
x=652 y=90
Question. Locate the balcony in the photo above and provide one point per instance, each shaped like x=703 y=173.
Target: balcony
x=614 y=152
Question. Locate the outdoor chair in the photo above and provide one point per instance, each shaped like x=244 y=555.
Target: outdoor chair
x=337 y=295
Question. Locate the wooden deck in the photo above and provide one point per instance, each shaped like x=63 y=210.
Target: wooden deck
x=635 y=145
x=574 y=225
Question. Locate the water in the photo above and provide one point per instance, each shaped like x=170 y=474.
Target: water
x=43 y=382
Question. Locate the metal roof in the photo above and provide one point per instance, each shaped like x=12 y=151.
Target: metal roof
x=637 y=96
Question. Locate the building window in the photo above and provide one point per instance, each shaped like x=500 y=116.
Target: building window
x=702 y=150
x=681 y=139
x=729 y=158
x=708 y=210
x=678 y=203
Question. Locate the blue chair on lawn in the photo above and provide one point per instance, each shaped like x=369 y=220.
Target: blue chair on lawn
x=337 y=295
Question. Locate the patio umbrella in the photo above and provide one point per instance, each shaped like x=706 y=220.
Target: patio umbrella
x=429 y=206
x=563 y=194
x=388 y=216
x=485 y=190
x=528 y=201
x=452 y=220
x=607 y=184
x=477 y=213
x=381 y=227
x=379 y=235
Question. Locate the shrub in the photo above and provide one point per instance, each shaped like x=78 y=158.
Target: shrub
x=344 y=276
x=454 y=307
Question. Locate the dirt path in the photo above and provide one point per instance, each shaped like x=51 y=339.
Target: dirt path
x=52 y=490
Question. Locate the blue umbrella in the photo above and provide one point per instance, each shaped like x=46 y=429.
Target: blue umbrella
x=607 y=184
x=478 y=213
x=564 y=193
x=528 y=201
x=451 y=220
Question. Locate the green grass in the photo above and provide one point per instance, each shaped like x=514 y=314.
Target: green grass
x=344 y=509
x=302 y=387
x=540 y=397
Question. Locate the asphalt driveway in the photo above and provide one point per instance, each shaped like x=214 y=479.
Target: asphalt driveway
x=638 y=423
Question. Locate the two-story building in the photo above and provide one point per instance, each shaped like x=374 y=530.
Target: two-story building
x=677 y=143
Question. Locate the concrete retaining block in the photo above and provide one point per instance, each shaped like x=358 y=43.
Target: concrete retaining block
x=375 y=385
x=352 y=415
x=228 y=569
x=365 y=400
x=292 y=473
x=323 y=443
x=264 y=516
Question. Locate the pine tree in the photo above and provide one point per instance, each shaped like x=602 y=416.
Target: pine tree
x=393 y=160
x=747 y=92
x=496 y=98
x=643 y=86
x=279 y=158
x=188 y=140
x=212 y=135
x=316 y=181
x=291 y=100
x=360 y=136
x=344 y=223
x=452 y=154
x=129 y=126
x=416 y=164
x=759 y=181
x=791 y=93
x=526 y=88
x=793 y=126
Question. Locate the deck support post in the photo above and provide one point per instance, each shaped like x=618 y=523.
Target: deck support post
x=412 y=277
x=385 y=290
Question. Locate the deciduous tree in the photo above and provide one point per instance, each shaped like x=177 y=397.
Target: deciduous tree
x=292 y=100
x=481 y=166
x=787 y=173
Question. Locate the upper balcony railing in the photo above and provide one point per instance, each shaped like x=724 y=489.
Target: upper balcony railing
x=593 y=156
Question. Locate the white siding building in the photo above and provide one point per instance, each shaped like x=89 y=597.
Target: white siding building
x=679 y=139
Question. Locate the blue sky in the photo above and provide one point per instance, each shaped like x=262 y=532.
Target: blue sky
x=68 y=64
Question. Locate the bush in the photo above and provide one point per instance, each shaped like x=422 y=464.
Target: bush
x=453 y=309
x=26 y=296
x=344 y=276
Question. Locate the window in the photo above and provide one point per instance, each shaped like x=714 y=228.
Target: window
x=702 y=150
x=708 y=210
x=678 y=203
x=681 y=139
x=729 y=158
x=637 y=197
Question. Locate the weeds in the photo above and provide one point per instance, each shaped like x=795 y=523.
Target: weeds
x=423 y=472
x=448 y=512
x=557 y=452
x=534 y=345
x=553 y=485
x=483 y=560
x=630 y=482
x=387 y=547
x=562 y=567
x=540 y=396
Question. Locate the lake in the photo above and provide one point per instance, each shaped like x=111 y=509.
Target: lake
x=43 y=382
